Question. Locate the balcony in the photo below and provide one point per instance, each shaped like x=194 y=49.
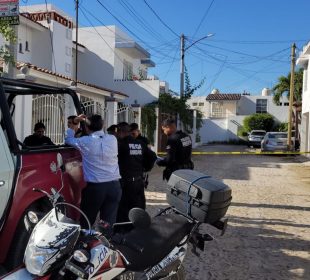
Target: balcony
x=132 y=49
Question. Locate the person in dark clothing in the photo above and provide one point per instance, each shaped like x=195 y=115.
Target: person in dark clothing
x=38 y=138
x=75 y=126
x=134 y=157
x=112 y=129
x=135 y=133
x=178 y=148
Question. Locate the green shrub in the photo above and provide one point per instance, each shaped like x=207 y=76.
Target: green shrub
x=258 y=121
x=281 y=127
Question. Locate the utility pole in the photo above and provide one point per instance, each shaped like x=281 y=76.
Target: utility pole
x=289 y=129
x=182 y=67
x=76 y=40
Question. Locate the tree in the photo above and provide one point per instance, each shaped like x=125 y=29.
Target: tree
x=283 y=86
x=9 y=35
x=171 y=103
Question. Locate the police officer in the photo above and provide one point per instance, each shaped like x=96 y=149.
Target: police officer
x=133 y=158
x=178 y=148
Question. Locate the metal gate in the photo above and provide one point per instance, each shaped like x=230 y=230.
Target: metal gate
x=92 y=106
x=50 y=110
x=125 y=113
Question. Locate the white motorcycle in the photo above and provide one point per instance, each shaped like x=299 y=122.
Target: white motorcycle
x=147 y=249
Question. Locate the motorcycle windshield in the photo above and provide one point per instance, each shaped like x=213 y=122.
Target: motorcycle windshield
x=55 y=230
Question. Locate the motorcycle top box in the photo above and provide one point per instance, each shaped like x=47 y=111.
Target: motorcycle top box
x=198 y=195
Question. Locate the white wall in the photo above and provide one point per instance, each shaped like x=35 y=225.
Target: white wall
x=205 y=109
x=60 y=42
x=305 y=121
x=41 y=49
x=96 y=65
x=143 y=92
x=247 y=106
x=215 y=130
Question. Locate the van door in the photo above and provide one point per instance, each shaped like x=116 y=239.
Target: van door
x=6 y=172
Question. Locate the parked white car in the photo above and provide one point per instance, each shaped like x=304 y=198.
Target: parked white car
x=274 y=141
x=255 y=137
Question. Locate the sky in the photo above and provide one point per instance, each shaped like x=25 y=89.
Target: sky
x=248 y=51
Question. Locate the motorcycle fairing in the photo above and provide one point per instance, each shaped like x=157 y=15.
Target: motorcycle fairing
x=51 y=232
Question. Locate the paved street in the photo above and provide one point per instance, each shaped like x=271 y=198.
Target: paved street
x=268 y=236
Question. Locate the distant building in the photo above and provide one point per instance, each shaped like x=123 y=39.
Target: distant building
x=303 y=61
x=224 y=112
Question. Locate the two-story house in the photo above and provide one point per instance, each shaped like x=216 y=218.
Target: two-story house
x=115 y=60
x=224 y=112
x=304 y=61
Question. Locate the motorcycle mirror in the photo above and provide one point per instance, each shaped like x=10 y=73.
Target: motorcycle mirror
x=139 y=218
x=60 y=163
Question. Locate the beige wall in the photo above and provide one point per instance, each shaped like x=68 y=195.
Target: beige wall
x=229 y=108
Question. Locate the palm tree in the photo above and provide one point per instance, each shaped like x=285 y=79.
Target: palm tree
x=283 y=86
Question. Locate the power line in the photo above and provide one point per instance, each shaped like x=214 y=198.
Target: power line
x=133 y=33
x=98 y=33
x=203 y=18
x=258 y=58
x=138 y=18
x=159 y=18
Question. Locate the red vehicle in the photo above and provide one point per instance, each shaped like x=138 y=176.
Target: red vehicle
x=22 y=168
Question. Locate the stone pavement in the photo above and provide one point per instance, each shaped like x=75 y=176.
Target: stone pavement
x=268 y=236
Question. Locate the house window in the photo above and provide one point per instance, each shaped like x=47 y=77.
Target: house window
x=261 y=106
x=68 y=68
x=217 y=109
x=27 y=46
x=127 y=70
x=20 y=48
x=201 y=104
x=194 y=103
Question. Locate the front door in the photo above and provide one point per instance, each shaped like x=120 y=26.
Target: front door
x=6 y=172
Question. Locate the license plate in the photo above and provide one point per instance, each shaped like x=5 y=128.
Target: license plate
x=127 y=276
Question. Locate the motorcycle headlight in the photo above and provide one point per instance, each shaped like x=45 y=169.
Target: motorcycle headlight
x=38 y=260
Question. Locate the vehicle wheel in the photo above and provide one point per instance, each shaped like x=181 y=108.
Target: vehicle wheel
x=16 y=252
x=19 y=242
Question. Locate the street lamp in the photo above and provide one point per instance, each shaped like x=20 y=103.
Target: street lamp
x=183 y=49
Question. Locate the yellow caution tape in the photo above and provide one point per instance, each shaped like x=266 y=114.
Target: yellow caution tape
x=244 y=153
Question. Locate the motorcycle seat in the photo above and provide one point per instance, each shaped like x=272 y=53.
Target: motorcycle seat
x=157 y=241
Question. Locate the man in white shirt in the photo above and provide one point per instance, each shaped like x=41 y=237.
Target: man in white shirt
x=101 y=172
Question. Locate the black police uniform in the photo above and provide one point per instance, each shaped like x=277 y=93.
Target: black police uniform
x=134 y=157
x=34 y=140
x=179 y=150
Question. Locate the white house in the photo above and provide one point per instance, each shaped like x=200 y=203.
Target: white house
x=224 y=112
x=303 y=61
x=118 y=62
x=45 y=51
